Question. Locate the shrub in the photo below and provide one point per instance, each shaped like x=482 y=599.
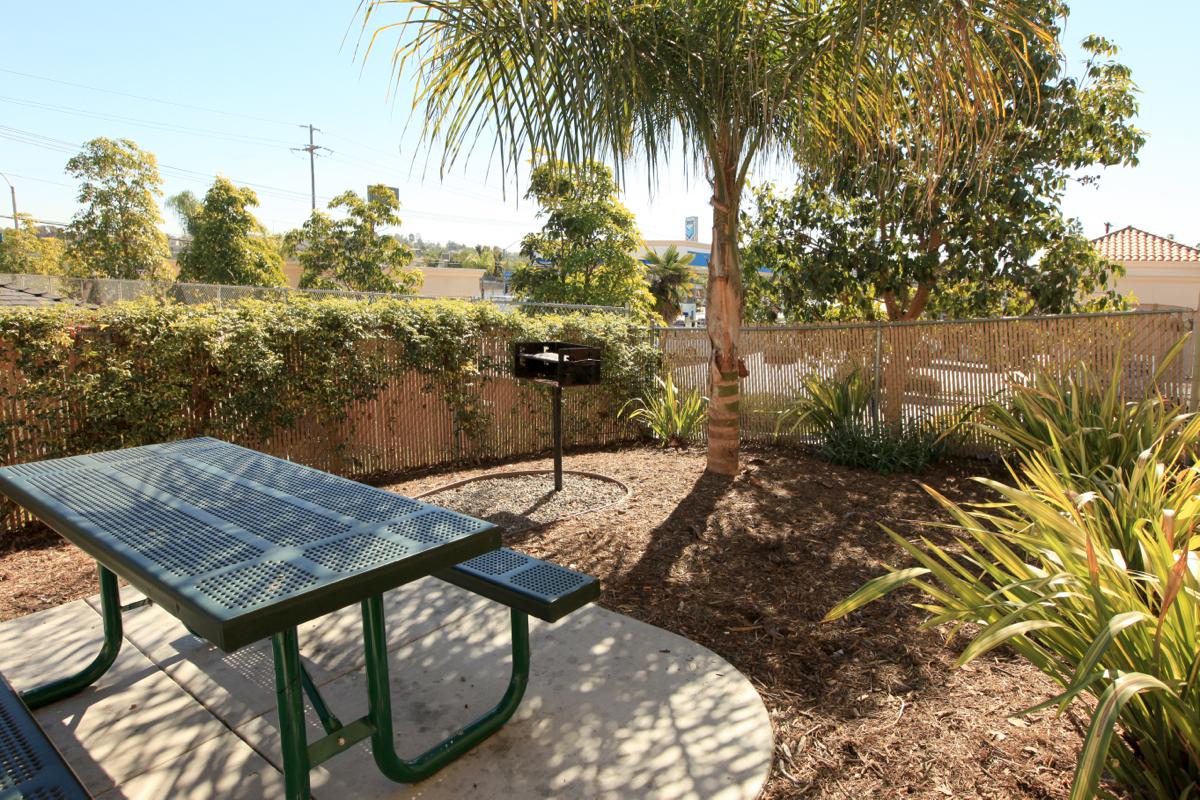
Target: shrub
x=671 y=415
x=835 y=409
x=135 y=373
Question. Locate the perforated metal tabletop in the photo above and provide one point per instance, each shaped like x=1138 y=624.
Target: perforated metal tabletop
x=235 y=543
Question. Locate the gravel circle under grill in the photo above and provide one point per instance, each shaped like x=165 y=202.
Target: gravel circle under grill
x=520 y=502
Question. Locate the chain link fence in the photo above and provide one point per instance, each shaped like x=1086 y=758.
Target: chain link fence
x=106 y=291
x=923 y=372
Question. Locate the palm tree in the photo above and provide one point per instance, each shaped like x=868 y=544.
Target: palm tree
x=670 y=281
x=725 y=83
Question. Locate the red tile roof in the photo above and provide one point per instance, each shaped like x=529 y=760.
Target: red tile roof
x=1134 y=244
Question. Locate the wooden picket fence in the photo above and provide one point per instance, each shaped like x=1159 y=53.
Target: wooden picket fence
x=409 y=426
x=938 y=371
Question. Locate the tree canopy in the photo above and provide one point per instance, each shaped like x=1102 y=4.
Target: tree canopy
x=228 y=244
x=725 y=81
x=585 y=251
x=985 y=236
x=116 y=233
x=352 y=251
x=23 y=251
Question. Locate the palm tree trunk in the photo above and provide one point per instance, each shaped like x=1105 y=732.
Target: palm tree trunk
x=724 y=325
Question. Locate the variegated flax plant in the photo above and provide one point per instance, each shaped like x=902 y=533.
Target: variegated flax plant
x=672 y=416
x=1085 y=566
x=724 y=84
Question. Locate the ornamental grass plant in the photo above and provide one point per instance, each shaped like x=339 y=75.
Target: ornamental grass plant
x=671 y=415
x=1084 y=565
x=836 y=409
x=1086 y=423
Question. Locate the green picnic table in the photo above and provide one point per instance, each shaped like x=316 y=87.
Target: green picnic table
x=241 y=546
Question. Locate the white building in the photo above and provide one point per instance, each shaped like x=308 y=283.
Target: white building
x=1159 y=271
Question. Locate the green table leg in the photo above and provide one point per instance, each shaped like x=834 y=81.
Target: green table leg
x=110 y=610
x=289 y=693
x=329 y=720
x=383 y=743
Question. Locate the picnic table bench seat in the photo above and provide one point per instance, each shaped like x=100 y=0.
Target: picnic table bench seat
x=30 y=766
x=538 y=588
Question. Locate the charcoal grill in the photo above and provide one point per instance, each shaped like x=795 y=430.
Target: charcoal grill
x=557 y=364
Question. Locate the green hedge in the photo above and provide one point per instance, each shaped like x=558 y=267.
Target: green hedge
x=143 y=372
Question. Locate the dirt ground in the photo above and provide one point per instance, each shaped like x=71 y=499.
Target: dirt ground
x=862 y=708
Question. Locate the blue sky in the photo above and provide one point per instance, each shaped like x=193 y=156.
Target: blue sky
x=239 y=79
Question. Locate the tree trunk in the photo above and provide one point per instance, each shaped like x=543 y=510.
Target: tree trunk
x=902 y=308
x=724 y=324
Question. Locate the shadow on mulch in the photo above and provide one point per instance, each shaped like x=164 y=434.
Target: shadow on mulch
x=31 y=537
x=865 y=707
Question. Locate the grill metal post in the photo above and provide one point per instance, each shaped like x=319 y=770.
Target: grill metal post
x=558 y=447
x=557 y=364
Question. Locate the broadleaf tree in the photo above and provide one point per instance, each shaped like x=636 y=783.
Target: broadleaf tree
x=584 y=252
x=351 y=251
x=228 y=244
x=724 y=82
x=23 y=251
x=116 y=232
x=985 y=237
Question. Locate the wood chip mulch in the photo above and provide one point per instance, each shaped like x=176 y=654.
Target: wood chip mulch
x=862 y=708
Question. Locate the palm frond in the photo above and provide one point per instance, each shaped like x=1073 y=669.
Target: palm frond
x=583 y=79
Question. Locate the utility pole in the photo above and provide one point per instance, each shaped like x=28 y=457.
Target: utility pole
x=311 y=148
x=13 y=190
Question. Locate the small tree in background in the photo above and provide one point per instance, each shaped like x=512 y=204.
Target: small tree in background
x=22 y=251
x=229 y=245
x=352 y=253
x=116 y=233
x=670 y=281
x=585 y=251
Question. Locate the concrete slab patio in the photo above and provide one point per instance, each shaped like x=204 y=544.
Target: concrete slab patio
x=615 y=708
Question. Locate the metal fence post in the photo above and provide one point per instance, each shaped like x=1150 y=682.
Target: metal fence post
x=878 y=366
x=1195 y=398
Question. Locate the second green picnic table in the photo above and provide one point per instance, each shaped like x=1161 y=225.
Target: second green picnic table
x=241 y=546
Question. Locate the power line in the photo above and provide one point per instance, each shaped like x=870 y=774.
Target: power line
x=166 y=126
x=207 y=109
x=143 y=97
x=40 y=180
x=203 y=178
x=61 y=146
